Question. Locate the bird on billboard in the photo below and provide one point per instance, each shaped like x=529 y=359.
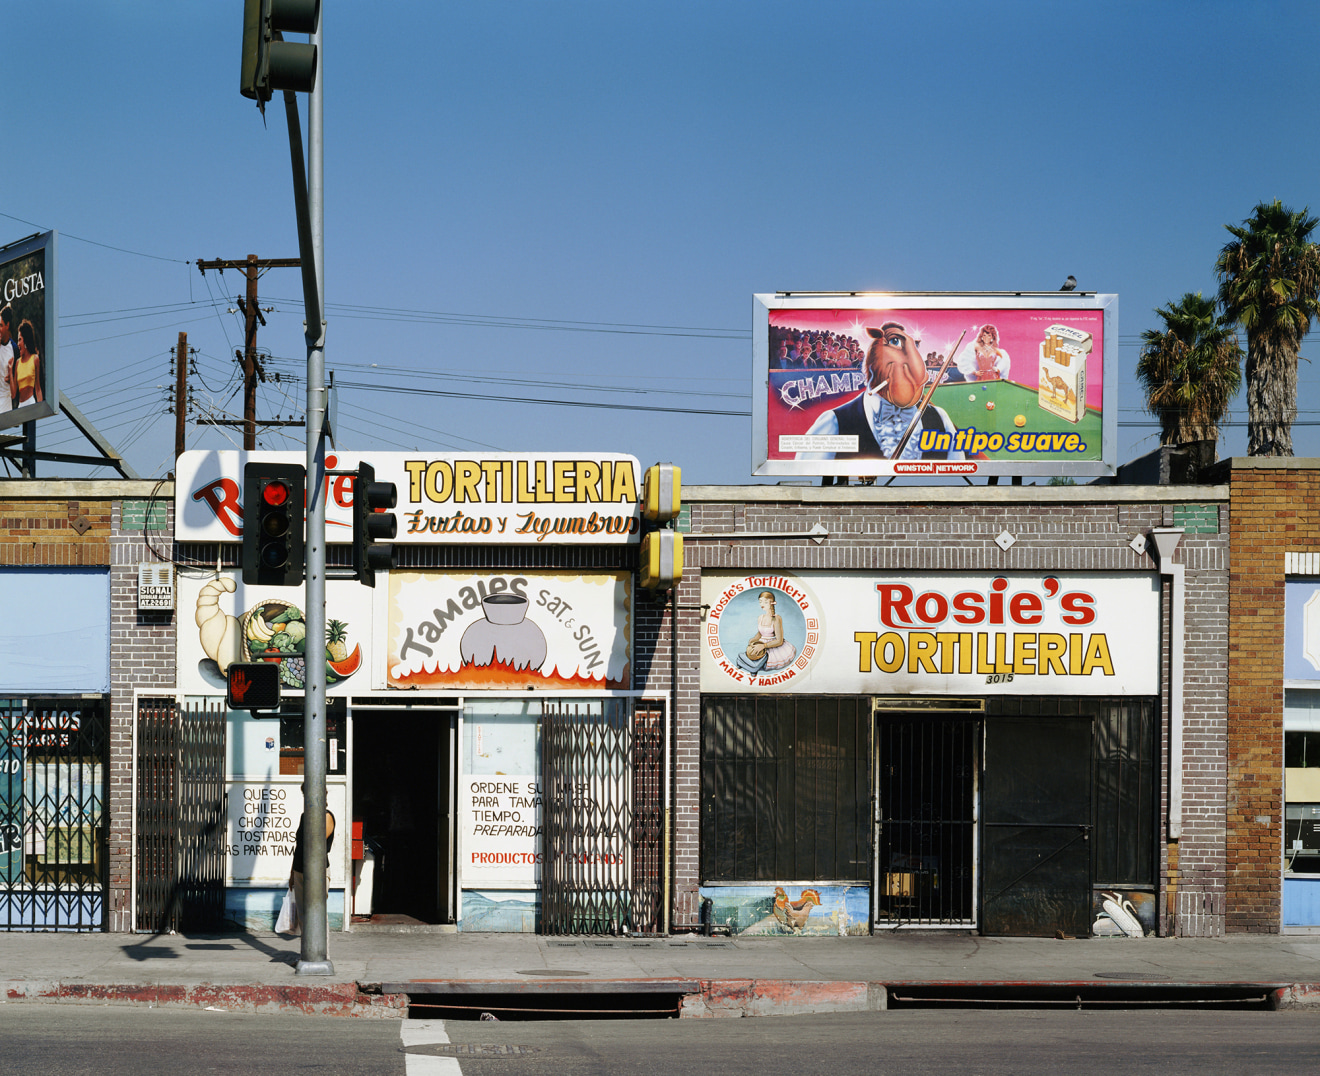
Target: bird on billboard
x=1070 y=284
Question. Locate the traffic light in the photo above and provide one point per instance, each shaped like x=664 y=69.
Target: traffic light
x=372 y=524
x=274 y=508
x=269 y=62
x=662 y=489
x=253 y=686
x=661 y=564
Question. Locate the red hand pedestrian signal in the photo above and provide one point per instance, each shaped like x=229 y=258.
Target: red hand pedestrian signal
x=253 y=686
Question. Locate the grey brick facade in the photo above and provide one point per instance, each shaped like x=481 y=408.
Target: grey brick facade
x=1065 y=529
x=142 y=648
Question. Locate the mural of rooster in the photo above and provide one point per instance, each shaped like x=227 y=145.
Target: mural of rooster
x=793 y=914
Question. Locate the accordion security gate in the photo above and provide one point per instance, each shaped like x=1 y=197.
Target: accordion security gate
x=54 y=821
x=180 y=817
x=603 y=817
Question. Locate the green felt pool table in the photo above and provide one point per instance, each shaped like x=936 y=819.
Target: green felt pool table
x=965 y=402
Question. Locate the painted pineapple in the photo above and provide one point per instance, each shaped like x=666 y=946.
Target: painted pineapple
x=336 y=638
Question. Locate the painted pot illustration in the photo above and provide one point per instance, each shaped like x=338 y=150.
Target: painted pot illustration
x=504 y=636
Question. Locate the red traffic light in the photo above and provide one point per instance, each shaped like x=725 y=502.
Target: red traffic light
x=274 y=499
x=275 y=493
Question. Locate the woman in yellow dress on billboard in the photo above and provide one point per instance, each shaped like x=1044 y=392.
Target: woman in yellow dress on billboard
x=25 y=373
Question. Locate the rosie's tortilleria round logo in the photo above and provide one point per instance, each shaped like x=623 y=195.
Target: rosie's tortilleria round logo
x=764 y=630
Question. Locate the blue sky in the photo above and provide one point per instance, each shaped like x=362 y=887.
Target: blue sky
x=578 y=200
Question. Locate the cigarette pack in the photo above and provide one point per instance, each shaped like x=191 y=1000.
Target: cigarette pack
x=1063 y=355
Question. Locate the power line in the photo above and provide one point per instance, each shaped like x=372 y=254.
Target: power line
x=412 y=391
x=93 y=242
x=501 y=321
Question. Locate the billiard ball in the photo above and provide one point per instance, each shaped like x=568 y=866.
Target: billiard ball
x=1020 y=420
x=990 y=405
x=972 y=398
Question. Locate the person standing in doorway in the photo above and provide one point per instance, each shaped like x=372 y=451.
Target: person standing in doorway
x=296 y=875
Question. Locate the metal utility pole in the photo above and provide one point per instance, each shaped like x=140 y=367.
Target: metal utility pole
x=270 y=63
x=180 y=394
x=308 y=196
x=252 y=314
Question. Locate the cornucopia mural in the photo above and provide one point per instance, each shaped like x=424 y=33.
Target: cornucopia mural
x=270 y=629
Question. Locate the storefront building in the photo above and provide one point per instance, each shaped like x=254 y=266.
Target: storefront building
x=488 y=741
x=1273 y=796
x=87 y=630
x=998 y=709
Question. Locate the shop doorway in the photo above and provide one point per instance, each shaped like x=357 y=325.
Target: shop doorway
x=402 y=795
x=1037 y=826
x=925 y=826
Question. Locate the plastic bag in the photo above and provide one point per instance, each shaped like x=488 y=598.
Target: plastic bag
x=287 y=923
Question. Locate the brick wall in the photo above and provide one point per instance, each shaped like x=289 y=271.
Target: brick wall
x=54 y=532
x=142 y=646
x=1194 y=867
x=1274 y=509
x=874 y=530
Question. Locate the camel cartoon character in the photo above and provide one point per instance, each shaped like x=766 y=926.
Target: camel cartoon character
x=886 y=415
x=893 y=366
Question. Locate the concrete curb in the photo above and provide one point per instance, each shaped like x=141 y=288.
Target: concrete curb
x=338 y=999
x=780 y=997
x=1298 y=996
x=701 y=999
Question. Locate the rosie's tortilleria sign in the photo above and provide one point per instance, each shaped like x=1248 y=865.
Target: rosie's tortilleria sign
x=1013 y=633
x=532 y=499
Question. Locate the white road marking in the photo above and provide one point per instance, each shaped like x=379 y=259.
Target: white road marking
x=426 y=1033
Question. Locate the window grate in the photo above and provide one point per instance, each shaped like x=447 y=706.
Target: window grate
x=784 y=789
x=54 y=820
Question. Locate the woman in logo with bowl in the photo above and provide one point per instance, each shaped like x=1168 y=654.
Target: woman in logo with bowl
x=767 y=651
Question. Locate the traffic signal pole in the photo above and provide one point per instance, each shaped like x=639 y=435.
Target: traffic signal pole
x=270 y=63
x=309 y=202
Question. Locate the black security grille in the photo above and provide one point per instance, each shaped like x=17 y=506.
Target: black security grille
x=602 y=870
x=648 y=819
x=54 y=823
x=1123 y=804
x=925 y=820
x=784 y=789
x=180 y=817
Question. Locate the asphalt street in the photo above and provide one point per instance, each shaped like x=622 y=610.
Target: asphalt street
x=118 y=1041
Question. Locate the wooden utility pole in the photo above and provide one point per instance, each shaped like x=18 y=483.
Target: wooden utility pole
x=180 y=393
x=252 y=314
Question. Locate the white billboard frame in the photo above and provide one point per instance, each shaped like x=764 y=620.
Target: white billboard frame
x=881 y=302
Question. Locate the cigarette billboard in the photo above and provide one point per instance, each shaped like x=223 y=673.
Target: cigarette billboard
x=935 y=385
x=28 y=387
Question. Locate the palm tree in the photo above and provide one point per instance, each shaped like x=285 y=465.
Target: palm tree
x=1269 y=283
x=1190 y=370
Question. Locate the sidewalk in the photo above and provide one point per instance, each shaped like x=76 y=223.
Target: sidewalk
x=373 y=972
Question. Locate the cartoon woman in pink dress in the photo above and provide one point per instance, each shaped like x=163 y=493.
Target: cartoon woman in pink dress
x=767 y=651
